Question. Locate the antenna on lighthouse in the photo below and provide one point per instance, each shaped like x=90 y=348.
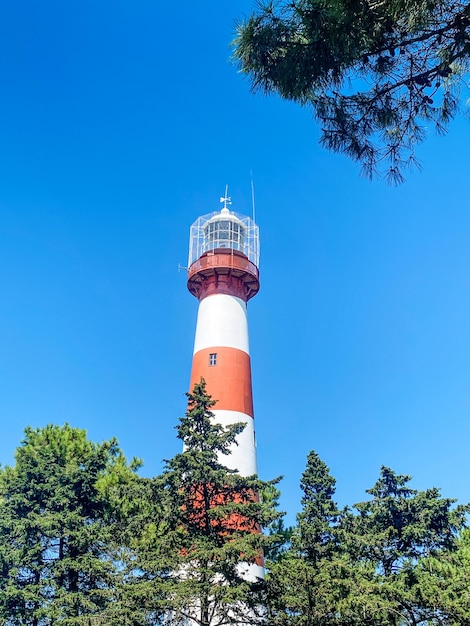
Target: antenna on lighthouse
x=252 y=196
x=226 y=199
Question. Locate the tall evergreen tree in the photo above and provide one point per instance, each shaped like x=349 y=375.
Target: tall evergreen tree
x=400 y=524
x=317 y=522
x=57 y=529
x=390 y=538
x=302 y=582
x=196 y=559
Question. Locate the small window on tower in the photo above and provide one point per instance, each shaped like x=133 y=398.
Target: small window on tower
x=213 y=358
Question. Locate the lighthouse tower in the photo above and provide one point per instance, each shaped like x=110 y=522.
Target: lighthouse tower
x=223 y=275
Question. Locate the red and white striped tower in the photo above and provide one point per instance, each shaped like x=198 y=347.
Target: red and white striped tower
x=223 y=275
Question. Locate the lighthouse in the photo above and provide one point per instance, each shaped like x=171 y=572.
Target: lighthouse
x=223 y=275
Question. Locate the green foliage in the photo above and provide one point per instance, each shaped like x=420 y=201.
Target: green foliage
x=279 y=536
x=400 y=524
x=374 y=72
x=396 y=560
x=85 y=541
x=195 y=560
x=390 y=539
x=319 y=516
x=57 y=528
x=301 y=584
x=444 y=582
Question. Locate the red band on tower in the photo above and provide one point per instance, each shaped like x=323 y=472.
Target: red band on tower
x=227 y=372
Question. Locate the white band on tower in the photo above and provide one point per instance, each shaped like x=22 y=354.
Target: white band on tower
x=222 y=321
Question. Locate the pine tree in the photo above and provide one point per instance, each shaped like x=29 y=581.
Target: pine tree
x=374 y=72
x=400 y=524
x=196 y=559
x=397 y=559
x=58 y=529
x=302 y=584
x=389 y=540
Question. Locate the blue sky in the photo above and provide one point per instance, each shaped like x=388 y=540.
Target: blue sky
x=120 y=123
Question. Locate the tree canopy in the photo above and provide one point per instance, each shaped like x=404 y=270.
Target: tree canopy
x=376 y=73
x=58 y=554
x=85 y=541
x=395 y=559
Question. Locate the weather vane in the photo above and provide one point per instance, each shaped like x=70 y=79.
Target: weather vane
x=226 y=199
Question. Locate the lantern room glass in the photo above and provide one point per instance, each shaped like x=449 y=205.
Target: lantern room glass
x=224 y=234
x=224 y=229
